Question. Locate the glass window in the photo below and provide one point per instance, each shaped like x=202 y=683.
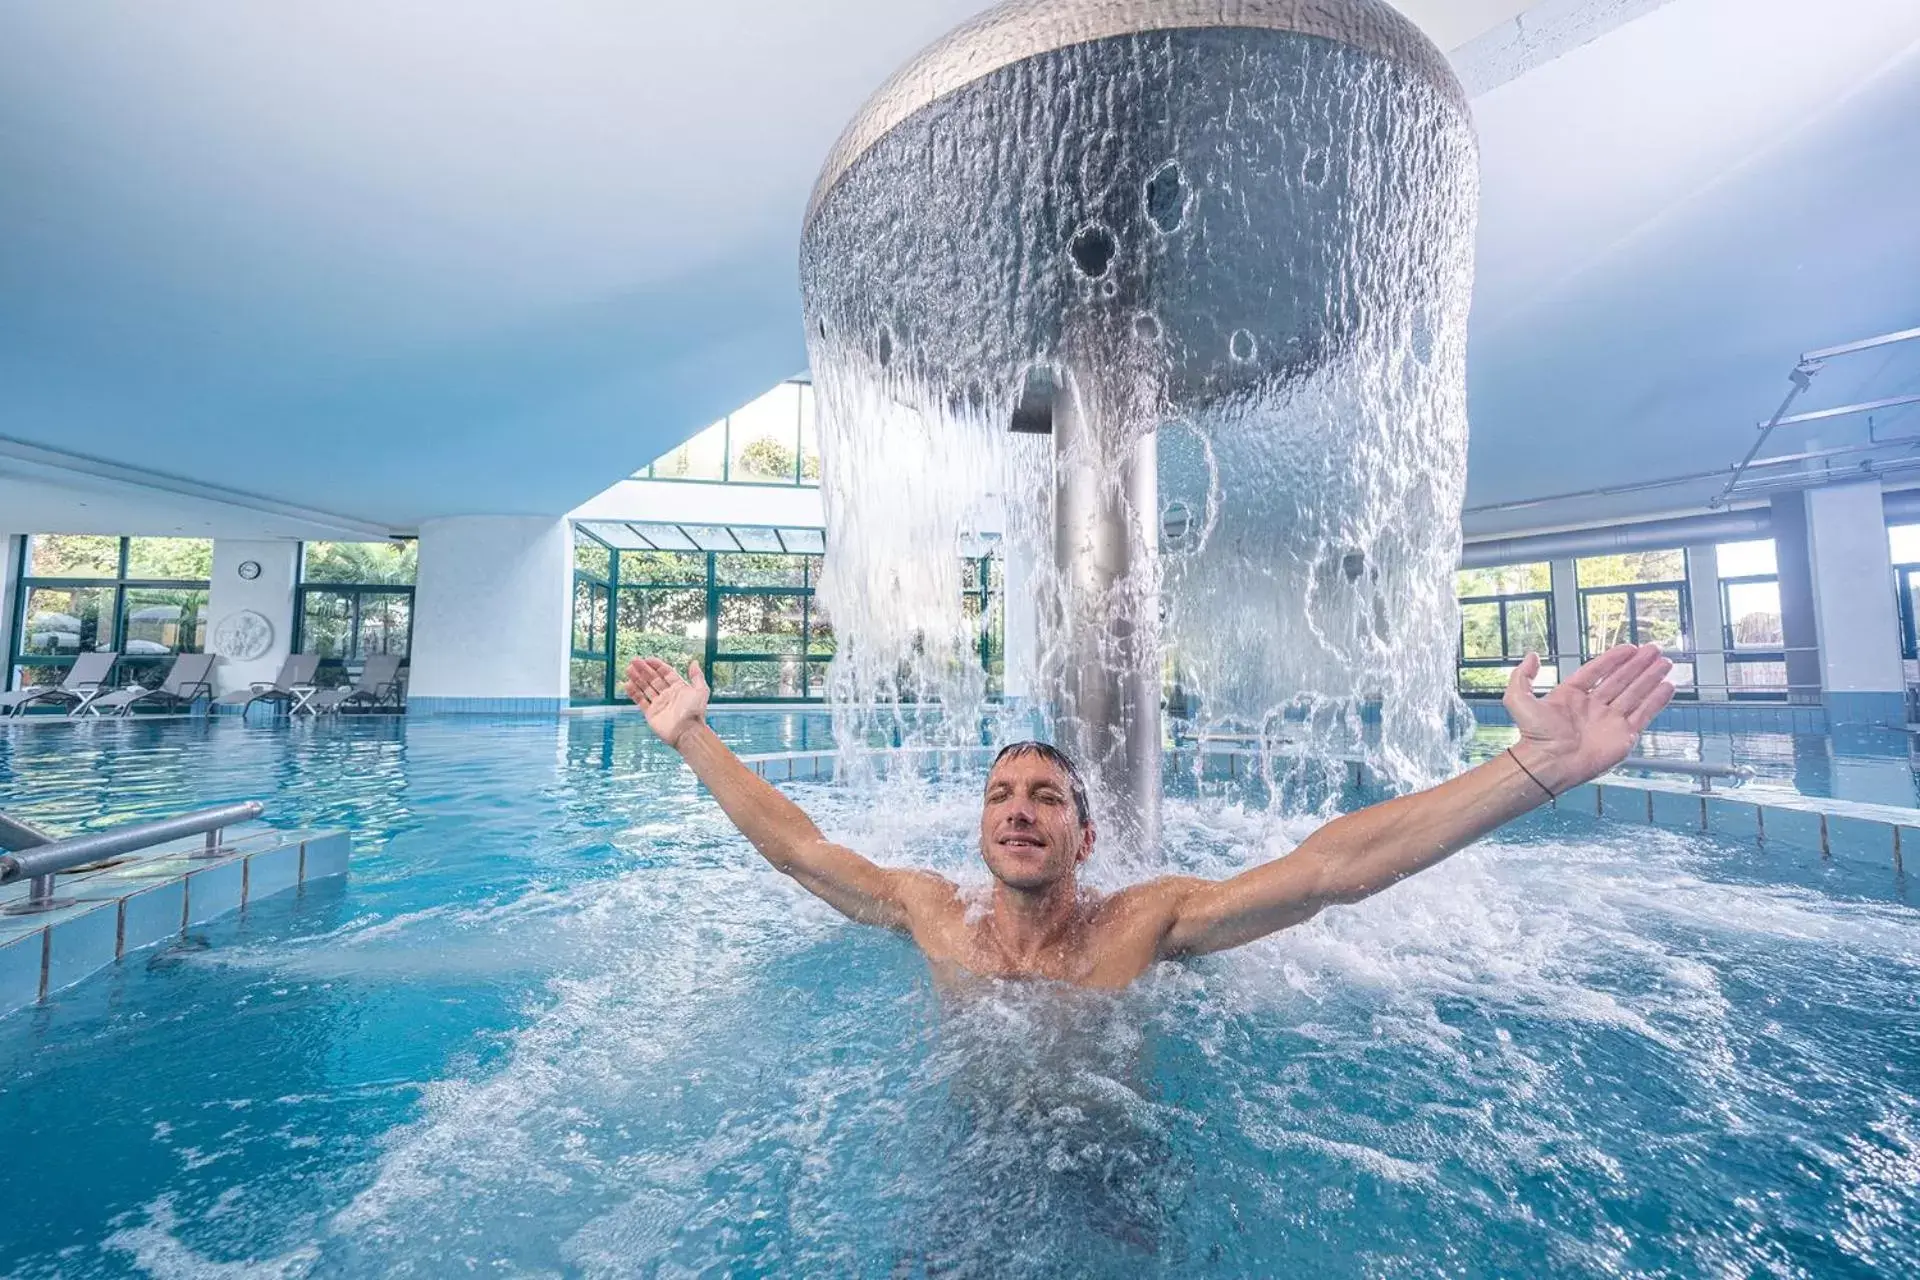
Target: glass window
x=386 y=624
x=72 y=555
x=1480 y=631
x=326 y=623
x=588 y=679
x=1753 y=615
x=64 y=621
x=1746 y=559
x=764 y=437
x=671 y=567
x=702 y=458
x=666 y=624
x=1903 y=543
x=385 y=563
x=591 y=556
x=589 y=615
x=779 y=678
x=1632 y=567
x=170 y=559
x=761 y=571
x=760 y=624
x=163 y=620
x=1505 y=580
x=1506 y=612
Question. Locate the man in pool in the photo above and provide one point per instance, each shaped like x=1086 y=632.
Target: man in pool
x=1035 y=832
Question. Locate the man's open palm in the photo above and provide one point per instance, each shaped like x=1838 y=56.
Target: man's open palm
x=1590 y=722
x=673 y=703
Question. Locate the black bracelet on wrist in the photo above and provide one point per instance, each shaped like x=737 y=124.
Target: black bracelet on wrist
x=1536 y=782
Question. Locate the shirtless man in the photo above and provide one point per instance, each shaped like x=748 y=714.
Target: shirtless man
x=1035 y=832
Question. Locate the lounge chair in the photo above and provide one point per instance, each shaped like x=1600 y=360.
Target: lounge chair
x=186 y=683
x=293 y=686
x=378 y=685
x=85 y=680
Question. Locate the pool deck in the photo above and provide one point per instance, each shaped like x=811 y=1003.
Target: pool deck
x=148 y=898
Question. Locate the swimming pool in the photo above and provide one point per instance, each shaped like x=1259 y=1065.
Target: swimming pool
x=559 y=1020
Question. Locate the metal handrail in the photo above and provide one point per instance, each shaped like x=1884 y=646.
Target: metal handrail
x=41 y=863
x=1703 y=773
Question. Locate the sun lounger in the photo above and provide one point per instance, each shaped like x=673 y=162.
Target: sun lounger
x=294 y=686
x=85 y=680
x=187 y=682
x=378 y=685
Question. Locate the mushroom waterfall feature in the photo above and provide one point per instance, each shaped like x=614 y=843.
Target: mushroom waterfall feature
x=1180 y=288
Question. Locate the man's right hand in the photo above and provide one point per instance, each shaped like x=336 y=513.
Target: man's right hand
x=674 y=704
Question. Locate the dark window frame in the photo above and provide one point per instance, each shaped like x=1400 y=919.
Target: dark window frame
x=337 y=669
x=1507 y=657
x=128 y=667
x=799 y=480
x=712 y=659
x=1734 y=654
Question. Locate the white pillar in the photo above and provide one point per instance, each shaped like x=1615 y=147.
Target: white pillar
x=1706 y=630
x=1854 y=612
x=491 y=615
x=269 y=595
x=1566 y=615
x=9 y=596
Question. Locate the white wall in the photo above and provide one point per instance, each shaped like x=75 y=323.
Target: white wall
x=9 y=606
x=1707 y=628
x=1859 y=623
x=492 y=608
x=270 y=595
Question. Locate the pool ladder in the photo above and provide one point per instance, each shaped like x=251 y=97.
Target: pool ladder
x=36 y=857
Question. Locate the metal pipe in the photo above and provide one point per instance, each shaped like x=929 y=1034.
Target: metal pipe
x=1704 y=774
x=1106 y=514
x=1867 y=344
x=1726 y=526
x=16 y=835
x=1801 y=378
x=1845 y=410
x=60 y=855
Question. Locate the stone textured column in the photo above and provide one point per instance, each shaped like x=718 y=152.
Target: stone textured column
x=1854 y=611
x=491 y=615
x=269 y=595
x=9 y=595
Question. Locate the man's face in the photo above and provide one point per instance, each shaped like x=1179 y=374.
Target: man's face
x=1029 y=833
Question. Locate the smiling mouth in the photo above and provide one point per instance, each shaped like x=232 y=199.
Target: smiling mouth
x=1020 y=842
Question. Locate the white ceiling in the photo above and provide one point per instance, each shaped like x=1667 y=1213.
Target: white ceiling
x=410 y=260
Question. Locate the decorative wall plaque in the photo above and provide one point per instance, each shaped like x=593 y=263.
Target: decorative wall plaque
x=243 y=636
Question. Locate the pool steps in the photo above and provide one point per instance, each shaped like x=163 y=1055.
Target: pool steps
x=150 y=898
x=1850 y=829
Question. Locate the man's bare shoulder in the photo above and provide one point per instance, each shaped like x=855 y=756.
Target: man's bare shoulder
x=925 y=892
x=1151 y=903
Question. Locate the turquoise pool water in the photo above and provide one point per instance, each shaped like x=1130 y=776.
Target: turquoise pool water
x=560 y=1021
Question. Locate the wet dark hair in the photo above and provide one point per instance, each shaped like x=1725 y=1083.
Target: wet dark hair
x=1060 y=760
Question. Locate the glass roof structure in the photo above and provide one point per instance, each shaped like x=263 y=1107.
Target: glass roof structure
x=635 y=535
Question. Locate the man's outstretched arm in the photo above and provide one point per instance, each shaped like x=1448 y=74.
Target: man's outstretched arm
x=778 y=828
x=1576 y=733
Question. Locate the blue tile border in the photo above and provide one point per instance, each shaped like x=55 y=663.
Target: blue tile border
x=425 y=706
x=1882 y=708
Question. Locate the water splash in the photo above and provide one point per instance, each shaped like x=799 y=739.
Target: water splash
x=1252 y=246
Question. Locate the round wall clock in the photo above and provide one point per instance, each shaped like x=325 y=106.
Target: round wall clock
x=249 y=569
